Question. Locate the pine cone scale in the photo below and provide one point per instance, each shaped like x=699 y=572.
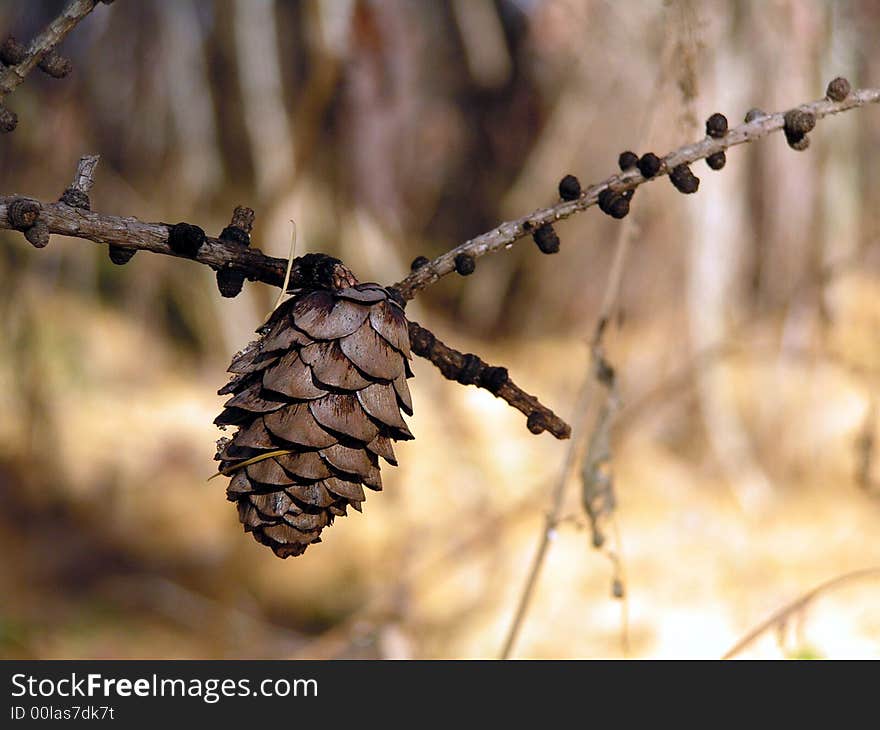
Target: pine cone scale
x=268 y=471
x=272 y=504
x=389 y=322
x=297 y=425
x=343 y=414
x=305 y=465
x=283 y=337
x=371 y=354
x=254 y=436
x=381 y=446
x=347 y=460
x=321 y=322
x=403 y=394
x=380 y=401
x=313 y=495
x=352 y=491
x=254 y=399
x=330 y=367
x=292 y=377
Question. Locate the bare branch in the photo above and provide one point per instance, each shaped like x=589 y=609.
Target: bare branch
x=85 y=173
x=41 y=52
x=234 y=260
x=468 y=369
x=72 y=217
x=509 y=232
x=132 y=233
x=779 y=617
x=129 y=232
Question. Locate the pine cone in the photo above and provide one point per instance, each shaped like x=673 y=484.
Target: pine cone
x=318 y=396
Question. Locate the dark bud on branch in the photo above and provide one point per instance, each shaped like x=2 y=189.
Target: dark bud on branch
x=235 y=235
x=799 y=143
x=55 y=65
x=243 y=218
x=121 y=256
x=38 y=234
x=536 y=423
x=75 y=198
x=717 y=161
x=185 y=239
x=320 y=271
x=716 y=126
x=569 y=188
x=838 y=89
x=649 y=164
x=614 y=204
x=684 y=180
x=230 y=282
x=471 y=368
x=8 y=119
x=493 y=379
x=418 y=262
x=421 y=341
x=239 y=229
x=465 y=264
x=23 y=213
x=627 y=160
x=605 y=373
x=799 y=122
x=546 y=239
x=12 y=52
x=753 y=114
x=395 y=295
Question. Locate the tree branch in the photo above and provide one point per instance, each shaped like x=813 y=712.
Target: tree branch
x=21 y=62
x=468 y=369
x=779 y=617
x=129 y=232
x=509 y=232
x=71 y=216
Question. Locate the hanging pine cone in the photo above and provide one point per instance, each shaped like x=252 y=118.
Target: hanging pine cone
x=317 y=399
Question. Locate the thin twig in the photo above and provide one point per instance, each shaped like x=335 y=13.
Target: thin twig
x=576 y=446
x=39 y=48
x=783 y=613
x=585 y=397
x=866 y=445
x=129 y=232
x=133 y=233
x=72 y=216
x=509 y=232
x=551 y=522
x=506 y=234
x=85 y=173
x=468 y=369
x=51 y=36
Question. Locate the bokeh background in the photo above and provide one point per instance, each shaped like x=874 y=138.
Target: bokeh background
x=746 y=343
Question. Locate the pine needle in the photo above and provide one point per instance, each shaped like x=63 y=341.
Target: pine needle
x=247 y=462
x=290 y=256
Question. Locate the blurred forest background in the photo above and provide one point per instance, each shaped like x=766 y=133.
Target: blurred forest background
x=746 y=347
